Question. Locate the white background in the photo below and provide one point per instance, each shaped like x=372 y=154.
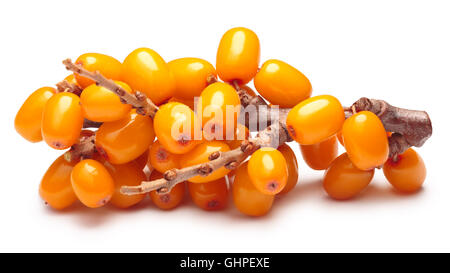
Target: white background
x=393 y=50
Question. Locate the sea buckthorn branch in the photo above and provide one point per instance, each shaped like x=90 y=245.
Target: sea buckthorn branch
x=230 y=160
x=65 y=86
x=409 y=127
x=91 y=124
x=143 y=105
x=84 y=148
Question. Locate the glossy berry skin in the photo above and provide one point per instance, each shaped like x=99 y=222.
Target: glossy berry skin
x=92 y=183
x=241 y=133
x=176 y=127
x=319 y=156
x=62 y=120
x=55 y=188
x=142 y=160
x=161 y=159
x=246 y=197
x=128 y=174
x=339 y=137
x=292 y=166
x=217 y=121
x=200 y=155
x=315 y=119
x=144 y=70
x=268 y=170
x=71 y=79
x=102 y=105
x=365 y=140
x=169 y=200
x=190 y=76
x=342 y=180
x=238 y=55
x=29 y=117
x=407 y=173
x=211 y=195
x=108 y=66
x=282 y=84
x=189 y=102
x=126 y=139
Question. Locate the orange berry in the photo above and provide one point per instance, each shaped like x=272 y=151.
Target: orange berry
x=282 y=84
x=144 y=70
x=268 y=171
x=109 y=67
x=71 y=79
x=126 y=139
x=128 y=174
x=241 y=133
x=102 y=105
x=161 y=159
x=211 y=195
x=92 y=183
x=142 y=160
x=407 y=173
x=62 y=120
x=168 y=200
x=219 y=109
x=190 y=76
x=319 y=156
x=29 y=117
x=238 y=55
x=342 y=180
x=315 y=119
x=292 y=166
x=247 y=199
x=176 y=127
x=339 y=137
x=200 y=155
x=365 y=140
x=188 y=102
x=56 y=188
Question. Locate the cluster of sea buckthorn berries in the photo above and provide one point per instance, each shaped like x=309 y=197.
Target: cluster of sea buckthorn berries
x=125 y=145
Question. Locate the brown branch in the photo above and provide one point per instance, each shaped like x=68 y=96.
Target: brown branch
x=272 y=136
x=143 y=105
x=85 y=148
x=65 y=86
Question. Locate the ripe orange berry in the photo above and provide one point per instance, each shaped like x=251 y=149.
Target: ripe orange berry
x=365 y=140
x=407 y=173
x=292 y=166
x=56 y=188
x=92 y=183
x=161 y=159
x=62 y=120
x=190 y=76
x=71 y=79
x=268 y=171
x=247 y=199
x=176 y=127
x=211 y=195
x=282 y=84
x=339 y=137
x=241 y=133
x=200 y=155
x=188 y=102
x=126 y=139
x=106 y=65
x=102 y=105
x=238 y=55
x=29 y=117
x=144 y=70
x=315 y=119
x=319 y=156
x=128 y=174
x=142 y=160
x=342 y=180
x=219 y=109
x=169 y=200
